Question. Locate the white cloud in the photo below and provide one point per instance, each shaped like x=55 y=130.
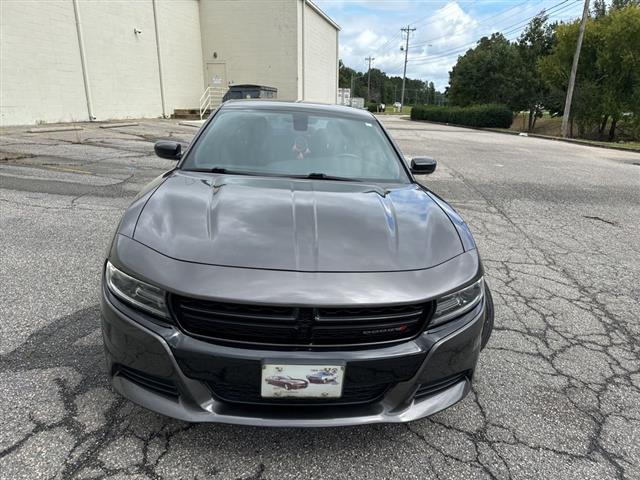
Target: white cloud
x=447 y=27
x=372 y=27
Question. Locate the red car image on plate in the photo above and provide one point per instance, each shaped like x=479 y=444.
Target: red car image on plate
x=286 y=382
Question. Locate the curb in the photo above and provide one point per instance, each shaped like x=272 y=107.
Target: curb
x=576 y=141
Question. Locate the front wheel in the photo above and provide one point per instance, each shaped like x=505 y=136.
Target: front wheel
x=487 y=328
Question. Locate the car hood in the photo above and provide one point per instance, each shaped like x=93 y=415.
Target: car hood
x=302 y=225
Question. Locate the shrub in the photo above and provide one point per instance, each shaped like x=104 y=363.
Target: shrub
x=372 y=107
x=491 y=115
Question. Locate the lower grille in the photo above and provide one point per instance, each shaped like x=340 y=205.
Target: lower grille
x=293 y=326
x=238 y=380
x=431 y=388
x=160 y=385
x=351 y=394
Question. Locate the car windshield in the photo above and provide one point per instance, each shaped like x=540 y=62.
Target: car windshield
x=296 y=144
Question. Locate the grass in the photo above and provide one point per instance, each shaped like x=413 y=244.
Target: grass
x=549 y=126
x=406 y=110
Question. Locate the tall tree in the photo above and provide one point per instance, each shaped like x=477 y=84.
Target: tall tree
x=618 y=57
x=487 y=74
x=384 y=89
x=618 y=4
x=555 y=68
x=535 y=43
x=431 y=95
x=608 y=77
x=599 y=9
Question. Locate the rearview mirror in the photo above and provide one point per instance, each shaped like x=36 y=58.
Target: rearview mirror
x=168 y=150
x=423 y=165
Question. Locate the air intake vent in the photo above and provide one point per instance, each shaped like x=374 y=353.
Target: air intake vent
x=432 y=388
x=151 y=382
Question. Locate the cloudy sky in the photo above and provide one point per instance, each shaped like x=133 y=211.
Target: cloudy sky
x=444 y=30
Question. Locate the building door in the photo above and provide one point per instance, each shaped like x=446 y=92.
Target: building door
x=217 y=80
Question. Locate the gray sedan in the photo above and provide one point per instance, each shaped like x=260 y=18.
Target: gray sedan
x=297 y=233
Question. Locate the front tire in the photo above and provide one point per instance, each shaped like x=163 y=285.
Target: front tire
x=487 y=328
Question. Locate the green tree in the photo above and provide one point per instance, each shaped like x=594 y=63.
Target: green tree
x=618 y=57
x=345 y=74
x=555 y=68
x=535 y=43
x=431 y=94
x=608 y=77
x=618 y=4
x=487 y=73
x=599 y=8
x=385 y=89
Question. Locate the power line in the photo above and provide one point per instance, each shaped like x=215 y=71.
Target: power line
x=509 y=29
x=379 y=49
x=433 y=19
x=481 y=21
x=421 y=60
x=442 y=10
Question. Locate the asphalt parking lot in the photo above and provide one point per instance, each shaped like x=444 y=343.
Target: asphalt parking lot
x=556 y=395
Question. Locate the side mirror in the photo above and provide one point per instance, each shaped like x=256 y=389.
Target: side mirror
x=423 y=165
x=168 y=150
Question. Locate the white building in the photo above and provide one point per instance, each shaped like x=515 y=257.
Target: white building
x=75 y=60
x=344 y=96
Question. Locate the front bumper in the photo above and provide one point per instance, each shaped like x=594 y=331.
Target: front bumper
x=164 y=370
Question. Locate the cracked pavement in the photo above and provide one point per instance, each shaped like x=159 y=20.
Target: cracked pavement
x=556 y=393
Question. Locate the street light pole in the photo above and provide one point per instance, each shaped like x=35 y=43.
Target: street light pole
x=574 y=70
x=408 y=31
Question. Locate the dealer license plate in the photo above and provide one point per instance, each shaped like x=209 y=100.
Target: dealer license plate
x=301 y=381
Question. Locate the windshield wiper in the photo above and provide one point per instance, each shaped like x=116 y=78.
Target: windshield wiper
x=221 y=170
x=313 y=175
x=324 y=176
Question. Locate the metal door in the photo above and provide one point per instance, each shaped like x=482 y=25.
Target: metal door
x=217 y=81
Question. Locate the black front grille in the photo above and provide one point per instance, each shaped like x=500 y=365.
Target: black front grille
x=281 y=325
x=160 y=385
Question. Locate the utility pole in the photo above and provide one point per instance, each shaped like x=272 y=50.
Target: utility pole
x=574 y=69
x=351 y=91
x=369 y=59
x=408 y=31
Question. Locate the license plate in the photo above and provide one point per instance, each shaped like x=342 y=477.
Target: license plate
x=301 y=381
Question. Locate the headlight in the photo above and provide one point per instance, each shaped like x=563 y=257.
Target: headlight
x=457 y=303
x=136 y=292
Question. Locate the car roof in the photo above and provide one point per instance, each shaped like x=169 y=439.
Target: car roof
x=307 y=107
